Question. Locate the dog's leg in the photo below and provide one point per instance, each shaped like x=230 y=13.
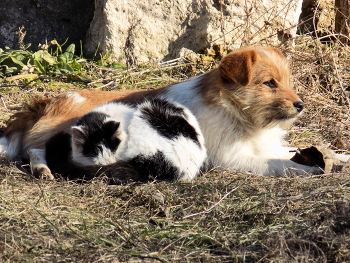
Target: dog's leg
x=284 y=167
x=38 y=164
x=290 y=151
x=332 y=160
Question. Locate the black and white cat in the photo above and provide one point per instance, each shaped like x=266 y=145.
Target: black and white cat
x=157 y=139
x=100 y=136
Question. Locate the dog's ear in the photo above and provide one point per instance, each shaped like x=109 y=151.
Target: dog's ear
x=237 y=66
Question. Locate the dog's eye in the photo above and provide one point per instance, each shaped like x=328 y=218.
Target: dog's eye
x=271 y=83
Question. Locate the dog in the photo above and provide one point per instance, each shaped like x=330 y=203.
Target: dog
x=157 y=139
x=243 y=108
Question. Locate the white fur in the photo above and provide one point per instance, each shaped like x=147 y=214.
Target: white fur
x=185 y=93
x=3 y=146
x=230 y=143
x=182 y=152
x=76 y=97
x=117 y=111
x=10 y=149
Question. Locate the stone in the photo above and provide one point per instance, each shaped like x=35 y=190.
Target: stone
x=153 y=30
x=44 y=20
x=318 y=16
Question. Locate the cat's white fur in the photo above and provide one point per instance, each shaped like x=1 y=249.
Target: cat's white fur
x=138 y=137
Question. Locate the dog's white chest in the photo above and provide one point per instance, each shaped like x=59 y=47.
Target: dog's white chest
x=268 y=143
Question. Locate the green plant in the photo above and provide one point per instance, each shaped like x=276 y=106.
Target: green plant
x=44 y=61
x=12 y=61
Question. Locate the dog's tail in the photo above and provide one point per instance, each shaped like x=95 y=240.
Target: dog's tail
x=19 y=125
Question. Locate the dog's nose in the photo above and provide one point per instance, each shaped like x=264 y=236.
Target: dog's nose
x=299 y=105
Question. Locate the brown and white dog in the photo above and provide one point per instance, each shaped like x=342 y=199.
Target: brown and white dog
x=243 y=108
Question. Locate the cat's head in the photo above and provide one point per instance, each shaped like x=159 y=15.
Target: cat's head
x=96 y=138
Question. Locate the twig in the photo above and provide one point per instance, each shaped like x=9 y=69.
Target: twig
x=341 y=84
x=213 y=206
x=3 y=102
x=122 y=74
x=33 y=80
x=109 y=83
x=9 y=85
x=171 y=62
x=321 y=175
x=152 y=257
x=22 y=76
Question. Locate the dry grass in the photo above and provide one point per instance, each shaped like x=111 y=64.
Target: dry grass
x=322 y=78
x=221 y=217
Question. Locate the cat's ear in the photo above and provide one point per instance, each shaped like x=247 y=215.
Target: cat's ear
x=115 y=130
x=78 y=136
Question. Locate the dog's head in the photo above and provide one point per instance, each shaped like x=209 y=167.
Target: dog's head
x=254 y=84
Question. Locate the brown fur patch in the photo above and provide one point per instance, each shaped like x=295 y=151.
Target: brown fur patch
x=139 y=96
x=24 y=120
x=61 y=113
x=237 y=66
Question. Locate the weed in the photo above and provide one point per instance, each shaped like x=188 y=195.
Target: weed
x=40 y=62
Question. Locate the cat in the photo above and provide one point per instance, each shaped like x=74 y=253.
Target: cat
x=156 y=139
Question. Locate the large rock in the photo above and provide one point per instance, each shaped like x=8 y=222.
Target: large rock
x=44 y=20
x=153 y=30
x=317 y=16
